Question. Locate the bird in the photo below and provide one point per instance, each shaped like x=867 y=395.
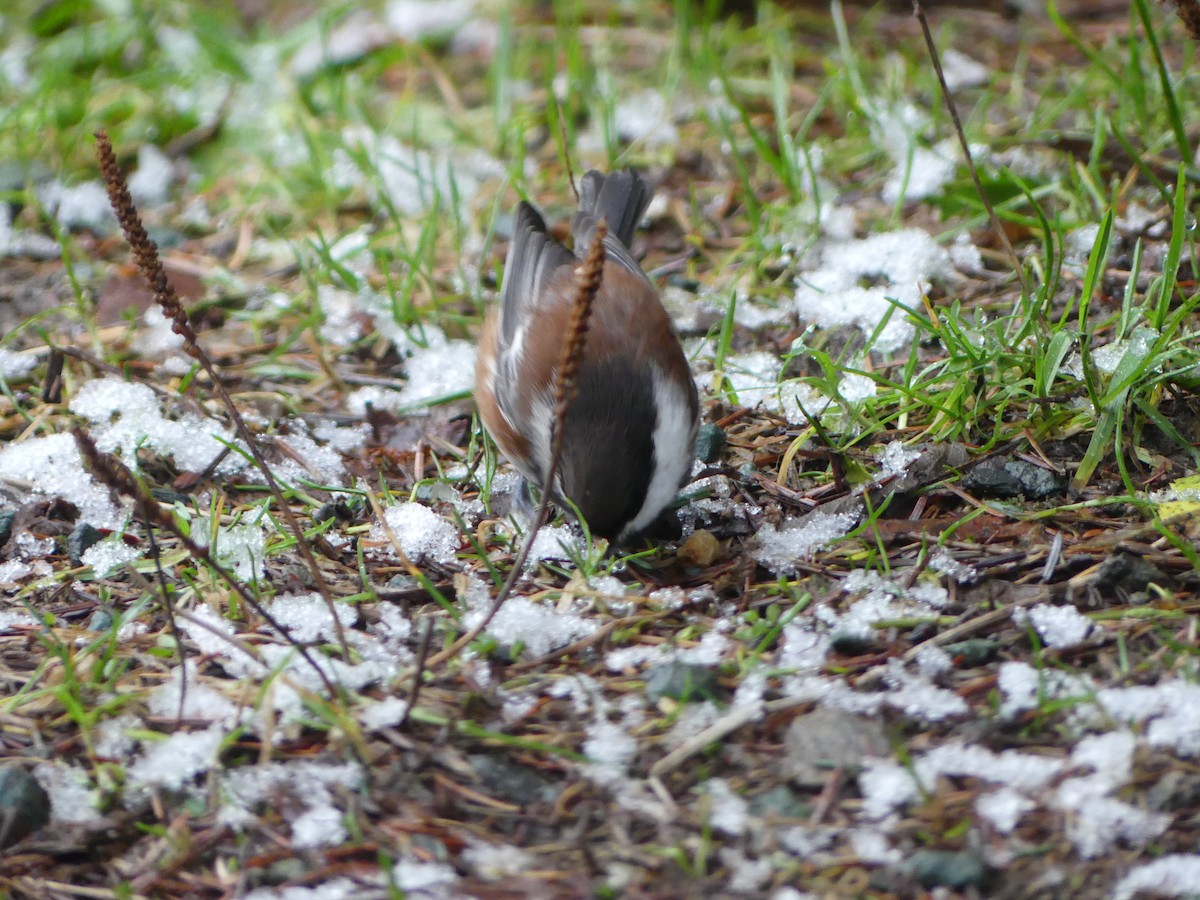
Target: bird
x=630 y=432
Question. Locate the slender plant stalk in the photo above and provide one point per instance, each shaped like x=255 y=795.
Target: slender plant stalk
x=145 y=253
x=1018 y=269
x=588 y=277
x=117 y=476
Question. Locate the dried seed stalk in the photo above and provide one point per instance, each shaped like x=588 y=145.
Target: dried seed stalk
x=588 y=278
x=145 y=252
x=114 y=473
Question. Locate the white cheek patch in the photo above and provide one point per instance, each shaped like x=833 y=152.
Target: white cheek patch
x=674 y=447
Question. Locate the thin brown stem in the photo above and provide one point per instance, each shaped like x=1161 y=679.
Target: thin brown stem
x=1018 y=269
x=113 y=473
x=145 y=252
x=588 y=277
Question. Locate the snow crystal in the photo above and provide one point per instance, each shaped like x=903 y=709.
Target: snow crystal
x=1003 y=808
x=12 y=572
x=242 y=549
x=871 y=845
x=746 y=876
x=436 y=372
x=309 y=785
x=807 y=841
x=609 y=748
x=176 y=760
x=384 y=713
x=932 y=661
x=729 y=813
x=15 y=365
x=780 y=549
x=344 y=439
x=553 y=542
x=306 y=617
x=1023 y=771
x=645 y=116
x=493 y=862
x=341 y=325
x=1169 y=876
x=607 y=586
x=1139 y=220
x=879 y=600
x=624 y=658
x=885 y=786
x=894 y=460
x=904 y=262
x=209 y=631
x=109 y=555
x=112 y=739
x=1057 y=626
x=754 y=378
x=373 y=396
x=411 y=180
x=416 y=20
x=966 y=256
x=351 y=39
x=126 y=417
x=73 y=800
x=1025 y=687
x=199 y=700
x=304 y=460
x=422 y=878
x=961 y=71
x=150 y=185
x=318 y=826
x=20 y=242
x=333 y=889
x=1080 y=242
x=918 y=698
x=419 y=531
x=710 y=651
x=157 y=335
x=749 y=695
x=1095 y=823
x=943 y=562
x=540 y=628
x=922 y=174
x=82 y=205
x=803 y=649
x=52 y=466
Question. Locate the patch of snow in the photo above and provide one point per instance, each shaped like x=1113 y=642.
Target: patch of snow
x=419 y=531
x=1059 y=627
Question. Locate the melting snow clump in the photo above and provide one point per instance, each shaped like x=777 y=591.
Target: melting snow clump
x=419 y=531
x=1058 y=626
x=781 y=549
x=902 y=265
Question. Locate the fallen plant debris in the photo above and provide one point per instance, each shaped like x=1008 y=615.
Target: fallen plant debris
x=924 y=619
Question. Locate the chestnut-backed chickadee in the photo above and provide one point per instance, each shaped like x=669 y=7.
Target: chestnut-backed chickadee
x=630 y=431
